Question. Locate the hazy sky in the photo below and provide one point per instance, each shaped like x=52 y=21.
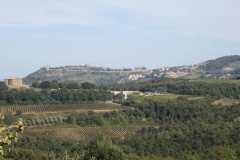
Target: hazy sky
x=123 y=33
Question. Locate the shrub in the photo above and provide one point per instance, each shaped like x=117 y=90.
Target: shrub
x=19 y=112
x=55 y=120
x=29 y=123
x=33 y=122
x=46 y=120
x=51 y=120
x=42 y=122
x=38 y=122
x=60 y=119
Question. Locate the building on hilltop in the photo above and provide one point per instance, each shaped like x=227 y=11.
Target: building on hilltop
x=13 y=81
x=140 y=68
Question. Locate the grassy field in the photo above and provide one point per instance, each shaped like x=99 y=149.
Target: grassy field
x=161 y=97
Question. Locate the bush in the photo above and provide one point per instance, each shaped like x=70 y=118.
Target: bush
x=71 y=119
x=51 y=120
x=24 y=123
x=42 y=122
x=29 y=123
x=38 y=122
x=46 y=120
x=19 y=112
x=33 y=122
x=60 y=119
x=55 y=120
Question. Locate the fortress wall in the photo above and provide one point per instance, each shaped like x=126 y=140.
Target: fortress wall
x=13 y=81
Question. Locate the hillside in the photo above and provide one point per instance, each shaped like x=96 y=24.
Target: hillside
x=175 y=118
x=224 y=67
x=87 y=73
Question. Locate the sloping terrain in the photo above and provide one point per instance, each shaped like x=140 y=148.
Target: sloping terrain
x=63 y=108
x=87 y=134
x=224 y=67
x=80 y=74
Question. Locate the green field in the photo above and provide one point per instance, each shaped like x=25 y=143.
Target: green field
x=134 y=93
x=193 y=76
x=161 y=97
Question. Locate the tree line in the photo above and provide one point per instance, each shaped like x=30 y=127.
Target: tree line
x=181 y=86
x=29 y=96
x=54 y=84
x=58 y=93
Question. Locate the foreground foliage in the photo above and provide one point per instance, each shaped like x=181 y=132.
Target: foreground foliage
x=10 y=135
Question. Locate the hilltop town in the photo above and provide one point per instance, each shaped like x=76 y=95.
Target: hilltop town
x=224 y=67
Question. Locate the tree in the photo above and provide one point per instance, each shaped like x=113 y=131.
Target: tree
x=60 y=85
x=73 y=86
x=71 y=119
x=46 y=84
x=3 y=86
x=220 y=152
x=119 y=96
x=88 y=85
x=10 y=98
x=104 y=150
x=35 y=84
x=55 y=84
x=2 y=95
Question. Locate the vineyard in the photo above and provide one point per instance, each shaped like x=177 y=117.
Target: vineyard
x=63 y=108
x=226 y=102
x=87 y=134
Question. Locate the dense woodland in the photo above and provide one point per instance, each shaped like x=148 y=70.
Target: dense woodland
x=47 y=95
x=182 y=128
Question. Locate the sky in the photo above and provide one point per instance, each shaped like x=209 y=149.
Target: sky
x=116 y=34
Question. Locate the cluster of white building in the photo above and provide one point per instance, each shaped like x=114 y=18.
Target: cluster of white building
x=135 y=76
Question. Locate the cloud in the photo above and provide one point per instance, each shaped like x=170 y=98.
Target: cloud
x=218 y=19
x=50 y=13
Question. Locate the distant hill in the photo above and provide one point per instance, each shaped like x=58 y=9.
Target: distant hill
x=224 y=67
x=87 y=73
